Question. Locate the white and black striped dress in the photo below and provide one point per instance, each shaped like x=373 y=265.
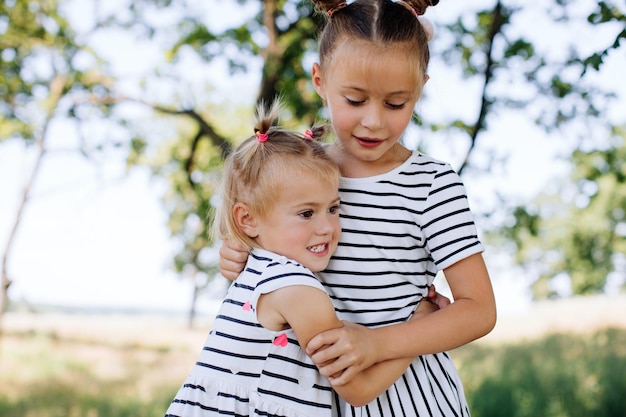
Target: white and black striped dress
x=398 y=230
x=247 y=370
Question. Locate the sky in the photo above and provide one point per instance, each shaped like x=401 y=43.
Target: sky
x=96 y=236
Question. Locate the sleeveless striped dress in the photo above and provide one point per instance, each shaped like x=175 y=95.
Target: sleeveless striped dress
x=398 y=230
x=247 y=370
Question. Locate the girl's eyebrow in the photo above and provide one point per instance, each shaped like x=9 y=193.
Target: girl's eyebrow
x=364 y=90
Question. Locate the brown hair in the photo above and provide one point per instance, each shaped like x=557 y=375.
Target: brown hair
x=382 y=22
x=255 y=170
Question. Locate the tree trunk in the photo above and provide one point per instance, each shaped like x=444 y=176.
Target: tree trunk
x=6 y=280
x=57 y=86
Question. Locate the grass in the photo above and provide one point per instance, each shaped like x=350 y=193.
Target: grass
x=92 y=367
x=118 y=366
x=557 y=375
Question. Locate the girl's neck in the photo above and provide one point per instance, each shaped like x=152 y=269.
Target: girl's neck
x=352 y=167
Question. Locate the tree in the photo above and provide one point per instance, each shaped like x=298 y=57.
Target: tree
x=574 y=232
x=49 y=73
x=40 y=82
x=280 y=34
x=487 y=46
x=577 y=230
x=195 y=154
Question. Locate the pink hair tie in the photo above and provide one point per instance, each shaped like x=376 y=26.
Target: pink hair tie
x=335 y=8
x=408 y=7
x=428 y=28
x=308 y=134
x=261 y=136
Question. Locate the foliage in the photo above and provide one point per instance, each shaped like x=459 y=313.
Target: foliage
x=522 y=75
x=578 y=229
x=606 y=12
x=281 y=33
x=43 y=78
x=51 y=72
x=487 y=46
x=574 y=233
x=278 y=34
x=26 y=35
x=556 y=376
x=192 y=172
x=43 y=71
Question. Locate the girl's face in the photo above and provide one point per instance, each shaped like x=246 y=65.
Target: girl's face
x=370 y=94
x=303 y=224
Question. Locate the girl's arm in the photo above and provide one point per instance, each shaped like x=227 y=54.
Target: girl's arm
x=349 y=350
x=309 y=311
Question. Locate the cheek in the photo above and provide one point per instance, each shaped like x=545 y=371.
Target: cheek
x=342 y=115
x=402 y=119
x=337 y=227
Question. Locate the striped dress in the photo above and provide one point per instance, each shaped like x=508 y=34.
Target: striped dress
x=247 y=370
x=398 y=230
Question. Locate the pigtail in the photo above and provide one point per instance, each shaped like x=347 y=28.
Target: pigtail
x=316 y=133
x=329 y=7
x=419 y=6
x=266 y=116
x=254 y=172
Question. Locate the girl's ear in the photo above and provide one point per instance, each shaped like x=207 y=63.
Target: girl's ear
x=316 y=77
x=245 y=220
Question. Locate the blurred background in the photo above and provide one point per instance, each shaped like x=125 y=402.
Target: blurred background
x=114 y=120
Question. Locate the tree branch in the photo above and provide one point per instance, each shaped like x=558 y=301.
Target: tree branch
x=497 y=22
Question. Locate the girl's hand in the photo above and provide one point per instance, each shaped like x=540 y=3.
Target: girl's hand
x=233 y=258
x=342 y=353
x=437 y=299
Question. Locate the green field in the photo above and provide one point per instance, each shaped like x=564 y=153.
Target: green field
x=118 y=365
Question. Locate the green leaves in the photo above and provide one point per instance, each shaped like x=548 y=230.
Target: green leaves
x=579 y=230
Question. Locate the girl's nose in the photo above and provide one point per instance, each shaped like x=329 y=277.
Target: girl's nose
x=372 y=117
x=326 y=225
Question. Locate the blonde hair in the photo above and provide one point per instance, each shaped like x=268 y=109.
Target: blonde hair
x=255 y=170
x=384 y=23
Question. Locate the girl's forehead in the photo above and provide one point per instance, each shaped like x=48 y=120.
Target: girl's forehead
x=359 y=62
x=365 y=53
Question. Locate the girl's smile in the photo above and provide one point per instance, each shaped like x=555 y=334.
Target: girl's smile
x=369 y=142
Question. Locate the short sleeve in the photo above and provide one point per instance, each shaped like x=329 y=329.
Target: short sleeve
x=284 y=273
x=448 y=223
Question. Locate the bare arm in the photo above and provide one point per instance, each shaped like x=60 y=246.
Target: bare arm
x=309 y=311
x=349 y=350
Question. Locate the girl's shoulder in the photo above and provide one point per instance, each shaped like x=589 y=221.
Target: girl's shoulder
x=270 y=271
x=260 y=256
x=431 y=167
x=422 y=158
